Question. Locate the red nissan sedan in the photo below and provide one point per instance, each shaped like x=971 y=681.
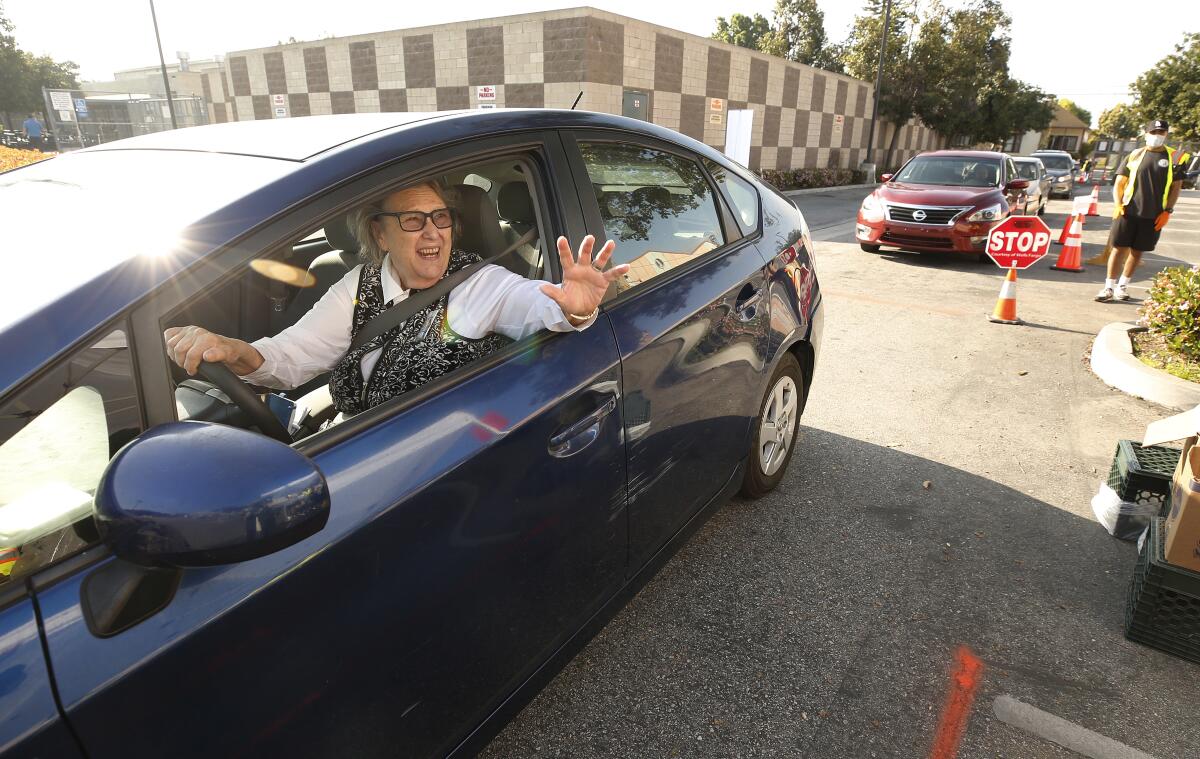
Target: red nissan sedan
x=944 y=201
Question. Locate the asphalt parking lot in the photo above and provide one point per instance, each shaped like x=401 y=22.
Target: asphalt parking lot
x=939 y=499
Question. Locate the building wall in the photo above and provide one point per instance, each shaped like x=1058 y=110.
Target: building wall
x=803 y=117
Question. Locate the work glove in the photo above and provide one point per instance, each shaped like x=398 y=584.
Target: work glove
x=1118 y=210
x=1161 y=221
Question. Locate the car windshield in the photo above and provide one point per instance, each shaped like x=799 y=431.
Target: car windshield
x=1027 y=170
x=1057 y=162
x=962 y=171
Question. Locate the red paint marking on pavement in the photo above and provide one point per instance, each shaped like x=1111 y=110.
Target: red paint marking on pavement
x=964 y=681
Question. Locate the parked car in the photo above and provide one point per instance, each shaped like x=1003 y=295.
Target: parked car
x=1191 y=174
x=1061 y=168
x=944 y=201
x=1038 y=192
x=177 y=583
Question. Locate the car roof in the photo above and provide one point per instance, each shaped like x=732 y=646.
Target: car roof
x=965 y=154
x=98 y=229
x=1026 y=159
x=289 y=139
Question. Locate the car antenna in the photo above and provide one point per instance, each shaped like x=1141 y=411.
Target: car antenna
x=577 y=98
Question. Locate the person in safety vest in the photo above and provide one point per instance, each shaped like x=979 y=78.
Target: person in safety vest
x=1147 y=186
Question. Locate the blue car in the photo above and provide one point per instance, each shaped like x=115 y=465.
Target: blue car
x=194 y=567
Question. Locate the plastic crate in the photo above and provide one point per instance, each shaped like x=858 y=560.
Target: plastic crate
x=1142 y=475
x=1163 y=610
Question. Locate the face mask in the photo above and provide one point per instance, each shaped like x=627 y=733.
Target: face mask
x=1155 y=140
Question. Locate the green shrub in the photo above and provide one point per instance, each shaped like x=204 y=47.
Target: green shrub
x=1172 y=309
x=801 y=179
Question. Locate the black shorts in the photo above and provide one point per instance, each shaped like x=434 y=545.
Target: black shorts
x=1132 y=232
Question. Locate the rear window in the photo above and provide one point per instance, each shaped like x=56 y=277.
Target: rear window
x=1027 y=170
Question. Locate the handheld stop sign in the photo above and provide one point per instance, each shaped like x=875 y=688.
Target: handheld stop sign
x=1018 y=242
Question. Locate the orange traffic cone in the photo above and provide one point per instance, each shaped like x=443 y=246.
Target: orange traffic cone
x=1072 y=252
x=1006 y=305
x=1094 y=206
x=1066 y=230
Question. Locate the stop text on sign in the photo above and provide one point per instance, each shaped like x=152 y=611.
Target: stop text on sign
x=1018 y=242
x=1023 y=242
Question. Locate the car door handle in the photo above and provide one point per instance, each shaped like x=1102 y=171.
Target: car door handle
x=583 y=433
x=747 y=306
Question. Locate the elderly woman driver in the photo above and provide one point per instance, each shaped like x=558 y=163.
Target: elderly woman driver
x=407 y=241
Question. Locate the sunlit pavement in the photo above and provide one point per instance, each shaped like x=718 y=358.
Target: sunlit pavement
x=939 y=498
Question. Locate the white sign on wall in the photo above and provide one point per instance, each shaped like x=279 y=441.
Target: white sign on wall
x=738 y=131
x=485 y=92
x=61 y=101
x=716 y=104
x=280 y=113
x=486 y=106
x=278 y=100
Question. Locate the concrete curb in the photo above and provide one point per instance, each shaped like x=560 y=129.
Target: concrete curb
x=811 y=190
x=1114 y=363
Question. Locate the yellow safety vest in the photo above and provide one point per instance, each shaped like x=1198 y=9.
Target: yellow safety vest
x=1135 y=160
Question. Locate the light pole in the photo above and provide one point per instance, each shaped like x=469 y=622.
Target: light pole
x=163 y=64
x=887 y=17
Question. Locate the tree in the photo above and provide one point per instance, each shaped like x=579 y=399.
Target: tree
x=902 y=78
x=1122 y=122
x=798 y=34
x=742 y=30
x=1084 y=115
x=1171 y=90
x=23 y=75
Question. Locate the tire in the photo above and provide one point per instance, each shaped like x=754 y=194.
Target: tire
x=869 y=248
x=784 y=397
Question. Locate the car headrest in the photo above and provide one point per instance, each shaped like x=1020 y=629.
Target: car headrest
x=658 y=197
x=337 y=232
x=479 y=229
x=514 y=203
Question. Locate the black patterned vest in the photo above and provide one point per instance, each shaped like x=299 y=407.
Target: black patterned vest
x=421 y=349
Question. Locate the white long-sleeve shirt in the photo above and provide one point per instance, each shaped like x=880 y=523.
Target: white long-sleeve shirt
x=492 y=300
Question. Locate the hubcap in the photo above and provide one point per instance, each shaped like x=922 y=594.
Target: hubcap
x=777 y=428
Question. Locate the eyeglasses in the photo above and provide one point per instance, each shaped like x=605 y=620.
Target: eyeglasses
x=414 y=221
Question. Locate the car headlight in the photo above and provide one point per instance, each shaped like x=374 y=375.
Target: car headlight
x=991 y=213
x=872 y=208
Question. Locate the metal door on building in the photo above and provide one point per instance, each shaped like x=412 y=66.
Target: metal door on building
x=636 y=105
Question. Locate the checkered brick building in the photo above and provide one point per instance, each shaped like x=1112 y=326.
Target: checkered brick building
x=803 y=116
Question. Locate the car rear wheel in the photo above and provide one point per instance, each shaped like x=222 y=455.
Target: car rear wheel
x=774 y=435
x=869 y=248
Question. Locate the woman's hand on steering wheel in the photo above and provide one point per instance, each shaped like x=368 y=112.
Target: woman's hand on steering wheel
x=584 y=281
x=188 y=346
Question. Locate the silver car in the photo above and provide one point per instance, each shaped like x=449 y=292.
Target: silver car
x=1061 y=168
x=1039 y=189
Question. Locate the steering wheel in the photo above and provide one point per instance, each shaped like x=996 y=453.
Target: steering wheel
x=245 y=398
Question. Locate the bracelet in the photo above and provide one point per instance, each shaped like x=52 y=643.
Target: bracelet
x=585 y=317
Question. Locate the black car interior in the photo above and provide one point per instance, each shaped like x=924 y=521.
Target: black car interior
x=495 y=208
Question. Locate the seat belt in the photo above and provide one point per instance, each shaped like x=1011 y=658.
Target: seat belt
x=399 y=313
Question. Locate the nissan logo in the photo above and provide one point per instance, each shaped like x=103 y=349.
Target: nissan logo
x=918 y=215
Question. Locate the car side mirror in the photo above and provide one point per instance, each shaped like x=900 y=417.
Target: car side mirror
x=886 y=177
x=1017 y=184
x=194 y=494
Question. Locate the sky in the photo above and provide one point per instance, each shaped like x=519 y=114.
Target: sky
x=1074 y=50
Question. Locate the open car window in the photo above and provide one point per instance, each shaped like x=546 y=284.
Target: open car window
x=498 y=203
x=56 y=438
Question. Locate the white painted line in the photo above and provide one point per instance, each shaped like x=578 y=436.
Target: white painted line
x=1058 y=730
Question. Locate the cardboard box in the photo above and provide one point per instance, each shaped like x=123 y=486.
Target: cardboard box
x=1183 y=522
